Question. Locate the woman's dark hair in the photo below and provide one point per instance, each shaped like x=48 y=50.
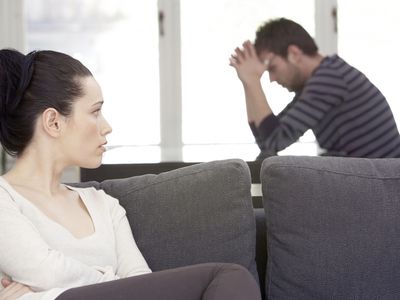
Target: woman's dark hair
x=278 y=34
x=29 y=84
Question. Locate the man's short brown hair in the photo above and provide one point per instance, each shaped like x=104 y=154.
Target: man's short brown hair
x=278 y=34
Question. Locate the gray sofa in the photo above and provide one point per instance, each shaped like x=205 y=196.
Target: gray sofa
x=332 y=224
x=333 y=227
x=200 y=213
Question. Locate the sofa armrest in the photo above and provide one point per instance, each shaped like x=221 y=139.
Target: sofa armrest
x=333 y=227
x=201 y=213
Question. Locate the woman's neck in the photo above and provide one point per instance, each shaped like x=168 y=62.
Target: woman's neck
x=36 y=171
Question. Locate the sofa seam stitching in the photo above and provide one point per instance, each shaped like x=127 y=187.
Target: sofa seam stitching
x=166 y=180
x=268 y=168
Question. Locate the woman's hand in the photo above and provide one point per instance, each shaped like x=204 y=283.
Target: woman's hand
x=13 y=290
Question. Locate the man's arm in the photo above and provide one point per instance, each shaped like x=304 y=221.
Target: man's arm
x=249 y=69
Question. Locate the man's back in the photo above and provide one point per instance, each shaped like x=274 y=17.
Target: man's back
x=361 y=123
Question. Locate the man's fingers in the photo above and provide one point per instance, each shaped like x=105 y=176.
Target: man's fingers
x=253 y=51
x=243 y=53
x=233 y=61
x=246 y=50
x=246 y=43
x=249 y=48
x=239 y=54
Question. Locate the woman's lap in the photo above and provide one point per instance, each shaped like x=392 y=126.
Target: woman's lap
x=204 y=281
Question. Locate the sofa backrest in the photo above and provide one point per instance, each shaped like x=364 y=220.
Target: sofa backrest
x=200 y=213
x=333 y=227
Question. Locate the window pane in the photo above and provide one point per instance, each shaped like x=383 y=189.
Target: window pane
x=213 y=100
x=118 y=41
x=367 y=39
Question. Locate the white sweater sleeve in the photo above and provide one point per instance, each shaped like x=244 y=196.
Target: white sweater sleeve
x=26 y=258
x=130 y=260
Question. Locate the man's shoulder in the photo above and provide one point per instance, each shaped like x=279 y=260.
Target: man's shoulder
x=333 y=63
x=331 y=69
x=328 y=79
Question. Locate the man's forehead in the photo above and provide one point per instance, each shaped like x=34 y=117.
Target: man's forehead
x=267 y=57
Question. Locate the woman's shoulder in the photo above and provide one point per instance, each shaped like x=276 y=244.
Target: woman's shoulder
x=96 y=195
x=6 y=193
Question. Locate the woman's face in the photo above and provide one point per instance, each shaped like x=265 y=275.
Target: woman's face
x=86 y=128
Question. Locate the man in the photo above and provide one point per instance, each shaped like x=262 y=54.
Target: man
x=347 y=113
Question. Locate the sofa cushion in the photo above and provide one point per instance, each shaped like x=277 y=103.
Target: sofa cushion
x=201 y=213
x=333 y=227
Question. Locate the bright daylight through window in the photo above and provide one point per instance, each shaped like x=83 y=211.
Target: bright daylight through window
x=119 y=41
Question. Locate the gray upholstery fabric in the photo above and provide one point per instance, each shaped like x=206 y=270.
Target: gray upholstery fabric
x=333 y=227
x=201 y=213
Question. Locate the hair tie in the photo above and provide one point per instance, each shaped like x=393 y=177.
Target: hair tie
x=27 y=69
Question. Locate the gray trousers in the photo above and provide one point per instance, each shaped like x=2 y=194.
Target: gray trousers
x=209 y=281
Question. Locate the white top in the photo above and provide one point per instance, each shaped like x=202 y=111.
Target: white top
x=42 y=254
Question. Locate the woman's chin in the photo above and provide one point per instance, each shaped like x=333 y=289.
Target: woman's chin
x=92 y=164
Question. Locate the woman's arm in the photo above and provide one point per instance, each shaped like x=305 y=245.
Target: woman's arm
x=13 y=291
x=31 y=261
x=130 y=260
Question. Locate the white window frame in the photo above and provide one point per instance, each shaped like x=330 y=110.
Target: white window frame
x=170 y=80
x=12 y=25
x=326 y=26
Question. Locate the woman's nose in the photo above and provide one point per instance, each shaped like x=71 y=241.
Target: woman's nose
x=106 y=128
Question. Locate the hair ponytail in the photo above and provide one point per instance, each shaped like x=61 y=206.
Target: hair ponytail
x=27 y=70
x=10 y=72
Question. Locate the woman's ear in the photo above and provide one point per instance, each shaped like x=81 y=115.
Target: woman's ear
x=52 y=122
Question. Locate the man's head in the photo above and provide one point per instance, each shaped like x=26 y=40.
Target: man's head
x=278 y=34
x=282 y=44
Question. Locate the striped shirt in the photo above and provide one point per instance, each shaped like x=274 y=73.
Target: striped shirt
x=347 y=113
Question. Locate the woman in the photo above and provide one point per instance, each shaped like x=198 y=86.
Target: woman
x=55 y=240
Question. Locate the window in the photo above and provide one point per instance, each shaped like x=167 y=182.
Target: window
x=119 y=41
